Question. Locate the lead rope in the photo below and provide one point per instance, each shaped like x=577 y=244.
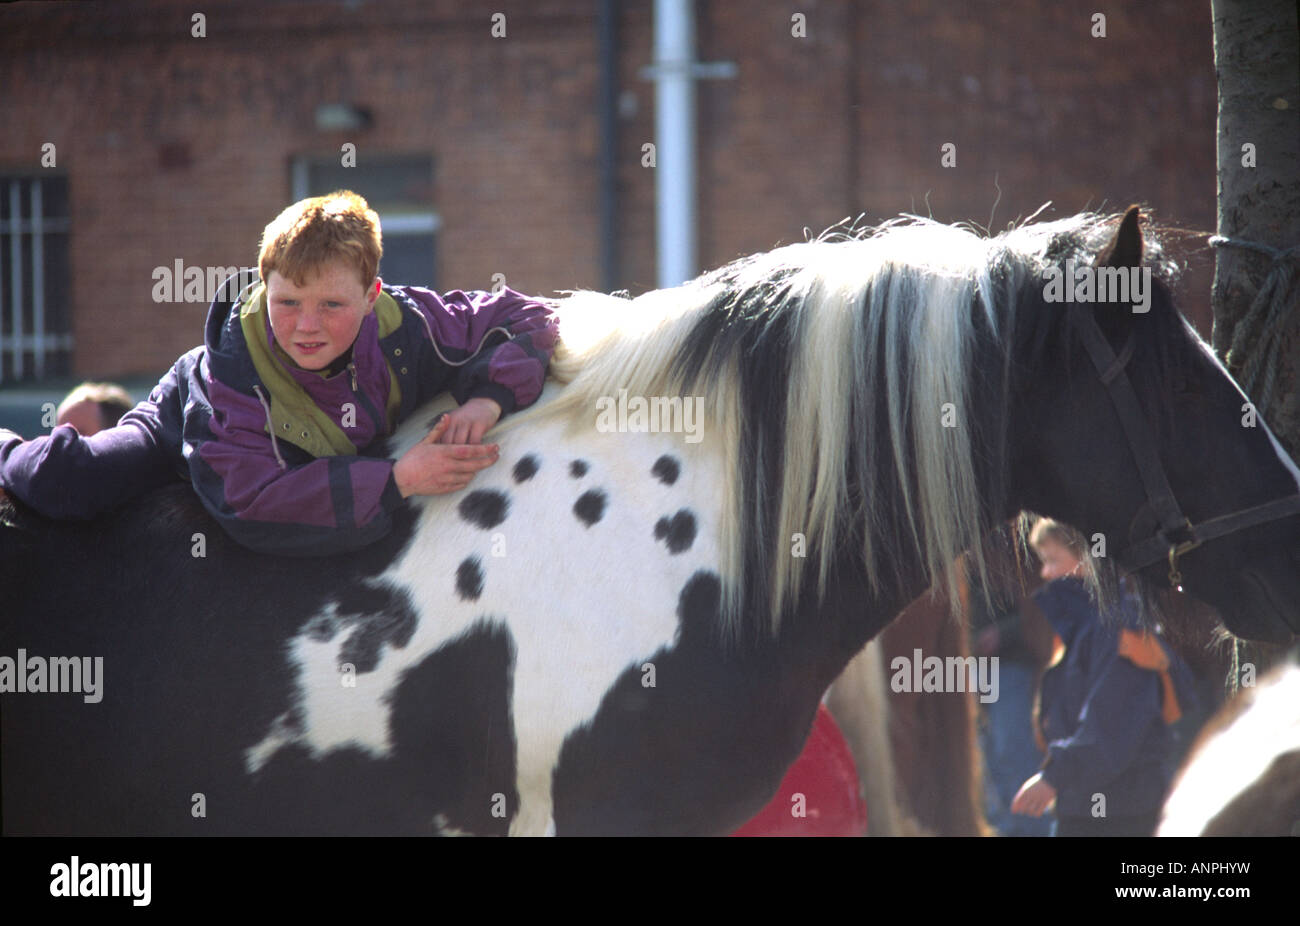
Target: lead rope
x=1262 y=319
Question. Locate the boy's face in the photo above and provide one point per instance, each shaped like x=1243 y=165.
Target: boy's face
x=1057 y=561
x=316 y=323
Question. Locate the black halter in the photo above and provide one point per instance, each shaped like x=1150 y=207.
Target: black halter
x=1176 y=534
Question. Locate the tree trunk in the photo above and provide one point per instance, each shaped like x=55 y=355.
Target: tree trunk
x=1257 y=58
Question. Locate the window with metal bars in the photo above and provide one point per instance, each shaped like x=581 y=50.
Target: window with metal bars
x=35 y=310
x=400 y=189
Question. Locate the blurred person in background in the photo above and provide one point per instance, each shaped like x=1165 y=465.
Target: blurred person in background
x=93 y=407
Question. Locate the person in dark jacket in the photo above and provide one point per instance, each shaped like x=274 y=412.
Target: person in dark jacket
x=1106 y=705
x=278 y=419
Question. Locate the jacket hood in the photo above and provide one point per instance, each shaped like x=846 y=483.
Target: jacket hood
x=223 y=339
x=1067 y=605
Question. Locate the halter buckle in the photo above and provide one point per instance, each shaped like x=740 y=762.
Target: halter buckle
x=1177 y=549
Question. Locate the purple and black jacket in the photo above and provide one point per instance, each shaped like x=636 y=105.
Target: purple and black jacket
x=205 y=422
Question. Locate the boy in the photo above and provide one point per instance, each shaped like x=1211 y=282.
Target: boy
x=277 y=418
x=1106 y=704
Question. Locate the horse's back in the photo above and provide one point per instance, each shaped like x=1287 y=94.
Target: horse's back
x=140 y=644
x=542 y=647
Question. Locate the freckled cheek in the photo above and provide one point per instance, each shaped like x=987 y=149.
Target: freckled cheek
x=283 y=326
x=344 y=330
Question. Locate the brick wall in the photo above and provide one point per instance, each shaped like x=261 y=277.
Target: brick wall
x=180 y=148
x=851 y=118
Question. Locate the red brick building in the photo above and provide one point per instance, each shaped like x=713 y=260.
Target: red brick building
x=176 y=139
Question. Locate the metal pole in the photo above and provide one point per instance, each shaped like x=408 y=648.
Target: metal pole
x=608 y=36
x=16 y=271
x=38 y=280
x=674 y=42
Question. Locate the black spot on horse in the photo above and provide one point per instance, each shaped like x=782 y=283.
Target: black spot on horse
x=578 y=469
x=699 y=604
x=678 y=531
x=619 y=753
x=666 y=469
x=526 y=468
x=453 y=753
x=590 y=506
x=392 y=622
x=469 y=579
x=366 y=598
x=321 y=628
x=485 y=508
x=453 y=732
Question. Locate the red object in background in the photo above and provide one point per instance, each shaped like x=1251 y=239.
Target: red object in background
x=825 y=775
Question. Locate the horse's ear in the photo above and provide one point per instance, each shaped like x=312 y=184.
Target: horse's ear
x=1125 y=249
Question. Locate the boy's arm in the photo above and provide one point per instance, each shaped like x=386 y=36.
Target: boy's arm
x=270 y=500
x=510 y=368
x=68 y=476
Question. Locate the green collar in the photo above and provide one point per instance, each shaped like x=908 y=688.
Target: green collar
x=295 y=417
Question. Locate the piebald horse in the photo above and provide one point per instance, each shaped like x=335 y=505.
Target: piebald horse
x=625 y=626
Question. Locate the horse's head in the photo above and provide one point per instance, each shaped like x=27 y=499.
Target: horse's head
x=1131 y=429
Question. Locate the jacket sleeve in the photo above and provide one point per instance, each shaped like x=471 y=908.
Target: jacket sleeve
x=68 y=476
x=1114 y=722
x=274 y=498
x=517 y=335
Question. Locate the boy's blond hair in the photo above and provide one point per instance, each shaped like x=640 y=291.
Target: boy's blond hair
x=323 y=228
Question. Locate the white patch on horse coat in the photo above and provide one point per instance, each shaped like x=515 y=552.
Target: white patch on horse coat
x=582 y=603
x=1237 y=757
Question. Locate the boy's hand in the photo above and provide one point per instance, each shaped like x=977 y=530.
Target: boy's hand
x=468 y=423
x=1034 y=797
x=434 y=468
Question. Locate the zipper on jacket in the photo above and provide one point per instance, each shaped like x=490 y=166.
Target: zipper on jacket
x=434 y=341
x=352 y=368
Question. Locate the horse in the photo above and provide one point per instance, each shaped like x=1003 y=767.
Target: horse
x=1242 y=775
x=916 y=752
x=626 y=625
